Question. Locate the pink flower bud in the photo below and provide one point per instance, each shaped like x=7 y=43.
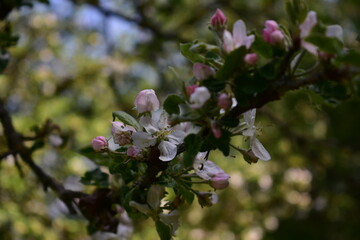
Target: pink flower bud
x=216 y=130
x=271 y=33
x=99 y=143
x=121 y=133
x=224 y=101
x=250 y=58
x=218 y=20
x=146 y=101
x=220 y=180
x=191 y=89
x=133 y=151
x=202 y=71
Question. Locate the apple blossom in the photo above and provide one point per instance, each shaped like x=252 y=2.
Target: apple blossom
x=191 y=89
x=99 y=143
x=250 y=131
x=202 y=71
x=272 y=33
x=238 y=39
x=199 y=97
x=158 y=130
x=305 y=30
x=133 y=151
x=146 y=101
x=121 y=133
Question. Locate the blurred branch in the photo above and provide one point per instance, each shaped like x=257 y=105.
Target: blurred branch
x=16 y=146
x=287 y=84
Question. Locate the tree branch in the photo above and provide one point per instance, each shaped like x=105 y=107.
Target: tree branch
x=16 y=146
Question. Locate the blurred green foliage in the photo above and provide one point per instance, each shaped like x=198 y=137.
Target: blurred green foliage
x=76 y=65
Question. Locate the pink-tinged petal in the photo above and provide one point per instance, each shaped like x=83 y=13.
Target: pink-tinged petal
x=216 y=130
x=146 y=101
x=239 y=33
x=311 y=48
x=224 y=101
x=202 y=71
x=199 y=97
x=228 y=43
x=308 y=24
x=168 y=151
x=220 y=180
x=133 y=151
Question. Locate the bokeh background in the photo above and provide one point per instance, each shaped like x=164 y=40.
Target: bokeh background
x=77 y=61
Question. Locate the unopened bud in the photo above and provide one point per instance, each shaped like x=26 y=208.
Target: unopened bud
x=224 y=102
x=202 y=71
x=216 y=130
x=220 y=180
x=191 y=89
x=146 y=101
x=133 y=151
x=250 y=58
x=271 y=33
x=218 y=20
x=99 y=143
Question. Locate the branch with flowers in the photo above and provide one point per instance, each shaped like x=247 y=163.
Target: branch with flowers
x=161 y=155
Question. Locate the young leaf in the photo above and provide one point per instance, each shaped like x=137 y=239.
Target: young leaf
x=185 y=49
x=262 y=48
x=96 y=178
x=163 y=230
x=351 y=57
x=327 y=44
x=171 y=104
x=127 y=119
x=233 y=63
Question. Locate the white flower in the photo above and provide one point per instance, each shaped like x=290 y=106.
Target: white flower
x=158 y=130
x=305 y=30
x=205 y=169
x=238 y=39
x=250 y=131
x=146 y=101
x=335 y=31
x=199 y=97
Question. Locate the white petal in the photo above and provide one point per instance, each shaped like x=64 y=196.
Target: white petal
x=335 y=31
x=308 y=24
x=154 y=196
x=259 y=150
x=228 y=43
x=143 y=140
x=239 y=33
x=207 y=169
x=168 y=151
x=249 y=41
x=176 y=136
x=149 y=124
x=199 y=97
x=249 y=117
x=311 y=48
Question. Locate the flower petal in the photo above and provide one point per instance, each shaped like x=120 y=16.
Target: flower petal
x=228 y=43
x=239 y=33
x=259 y=150
x=249 y=117
x=168 y=151
x=335 y=31
x=143 y=140
x=308 y=24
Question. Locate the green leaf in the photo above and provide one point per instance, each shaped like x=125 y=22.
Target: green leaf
x=351 y=57
x=233 y=64
x=297 y=10
x=171 y=104
x=185 y=49
x=192 y=147
x=261 y=47
x=163 y=230
x=127 y=119
x=222 y=143
x=214 y=85
x=186 y=193
x=96 y=178
x=326 y=44
x=98 y=158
